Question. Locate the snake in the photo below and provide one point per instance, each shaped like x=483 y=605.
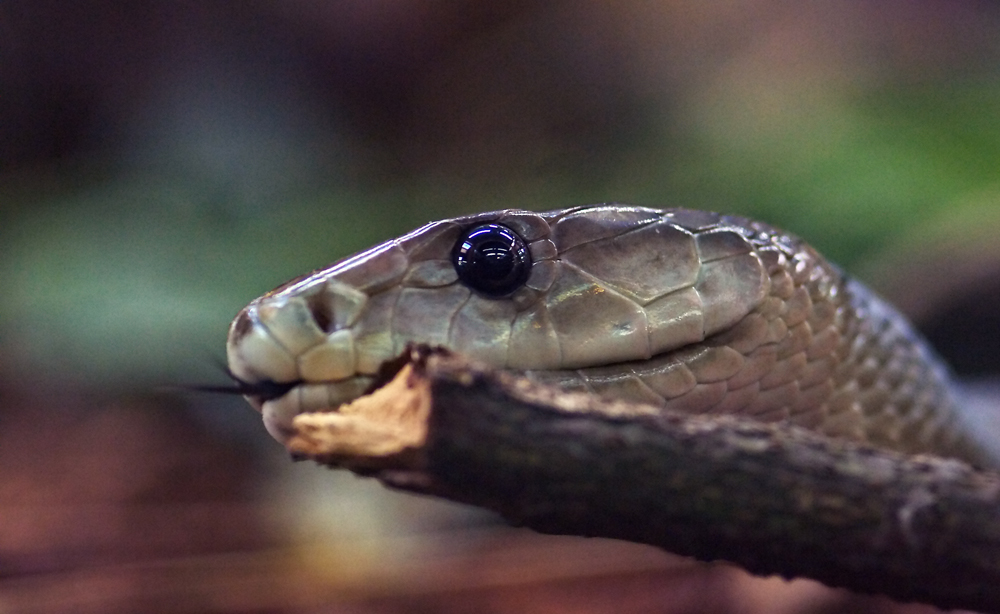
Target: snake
x=686 y=310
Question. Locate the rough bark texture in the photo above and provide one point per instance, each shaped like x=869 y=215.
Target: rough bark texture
x=771 y=498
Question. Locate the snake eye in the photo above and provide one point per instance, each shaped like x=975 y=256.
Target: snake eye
x=492 y=259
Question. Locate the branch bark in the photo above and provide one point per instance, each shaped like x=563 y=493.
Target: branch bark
x=772 y=498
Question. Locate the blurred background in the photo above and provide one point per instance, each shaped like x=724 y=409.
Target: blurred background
x=163 y=163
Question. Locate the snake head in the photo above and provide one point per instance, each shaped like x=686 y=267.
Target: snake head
x=564 y=290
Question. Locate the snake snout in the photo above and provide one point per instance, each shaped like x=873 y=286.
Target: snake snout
x=292 y=351
x=254 y=354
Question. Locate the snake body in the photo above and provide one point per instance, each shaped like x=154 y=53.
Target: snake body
x=687 y=310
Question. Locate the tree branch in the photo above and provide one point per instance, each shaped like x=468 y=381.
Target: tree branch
x=774 y=499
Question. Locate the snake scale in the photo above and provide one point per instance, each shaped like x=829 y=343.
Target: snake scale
x=687 y=310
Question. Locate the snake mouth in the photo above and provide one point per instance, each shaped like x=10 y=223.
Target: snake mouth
x=264 y=390
x=280 y=402
x=257 y=392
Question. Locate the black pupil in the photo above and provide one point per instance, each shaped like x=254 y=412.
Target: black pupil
x=492 y=259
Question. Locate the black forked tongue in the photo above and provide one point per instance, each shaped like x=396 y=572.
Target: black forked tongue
x=265 y=390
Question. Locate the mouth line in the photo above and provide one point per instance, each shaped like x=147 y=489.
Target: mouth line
x=386 y=372
x=266 y=390
x=263 y=390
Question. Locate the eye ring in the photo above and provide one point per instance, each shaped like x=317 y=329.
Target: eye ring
x=491 y=259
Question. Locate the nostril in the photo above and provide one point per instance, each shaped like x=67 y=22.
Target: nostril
x=241 y=327
x=321 y=309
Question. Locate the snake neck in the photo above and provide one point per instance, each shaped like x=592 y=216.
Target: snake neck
x=822 y=351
